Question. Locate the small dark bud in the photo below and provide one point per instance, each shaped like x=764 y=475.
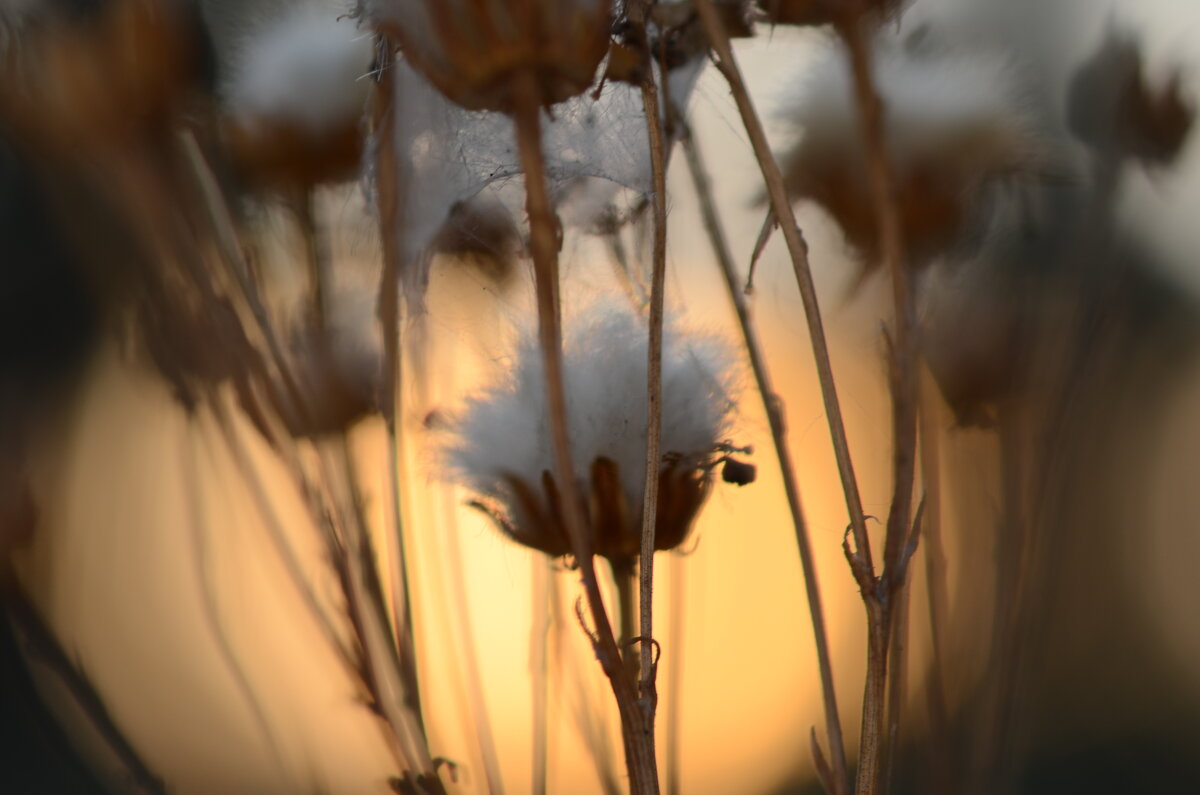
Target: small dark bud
x=738 y=472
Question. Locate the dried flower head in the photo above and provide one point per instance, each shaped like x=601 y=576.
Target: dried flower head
x=955 y=124
x=296 y=99
x=822 y=12
x=501 y=444
x=85 y=81
x=474 y=51
x=481 y=233
x=1114 y=109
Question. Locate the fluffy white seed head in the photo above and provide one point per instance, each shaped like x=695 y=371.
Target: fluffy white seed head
x=964 y=109
x=957 y=126
x=505 y=431
x=303 y=69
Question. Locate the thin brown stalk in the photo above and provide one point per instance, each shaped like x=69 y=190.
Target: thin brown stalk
x=316 y=255
x=469 y=658
x=233 y=262
x=277 y=535
x=887 y=215
x=774 y=411
x=897 y=684
x=639 y=751
x=881 y=601
x=677 y=607
x=388 y=196
x=935 y=585
x=539 y=664
x=625 y=580
x=647 y=688
x=798 y=252
x=198 y=527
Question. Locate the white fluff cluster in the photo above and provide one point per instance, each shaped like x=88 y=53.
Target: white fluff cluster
x=506 y=430
x=964 y=109
x=303 y=68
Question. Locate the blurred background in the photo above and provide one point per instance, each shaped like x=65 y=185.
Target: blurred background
x=151 y=521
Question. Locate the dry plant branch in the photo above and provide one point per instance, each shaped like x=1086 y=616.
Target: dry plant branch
x=389 y=200
x=798 y=252
x=883 y=593
x=45 y=647
x=677 y=608
x=935 y=585
x=647 y=687
x=470 y=654
x=198 y=528
x=639 y=753
x=539 y=664
x=774 y=411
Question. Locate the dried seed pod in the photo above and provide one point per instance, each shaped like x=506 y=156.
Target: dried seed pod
x=295 y=102
x=92 y=81
x=955 y=124
x=473 y=49
x=1114 y=109
x=482 y=234
x=740 y=473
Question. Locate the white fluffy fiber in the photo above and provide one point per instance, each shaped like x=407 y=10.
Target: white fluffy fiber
x=506 y=431
x=305 y=68
x=953 y=105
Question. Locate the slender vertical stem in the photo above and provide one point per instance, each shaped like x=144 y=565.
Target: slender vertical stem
x=388 y=196
x=539 y=664
x=316 y=255
x=902 y=367
x=677 y=609
x=198 y=528
x=639 y=748
x=469 y=653
x=897 y=683
x=648 y=690
x=798 y=251
x=946 y=777
x=874 y=710
x=903 y=381
x=625 y=578
x=364 y=564
x=771 y=404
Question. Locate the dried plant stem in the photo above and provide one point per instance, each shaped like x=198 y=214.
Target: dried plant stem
x=647 y=686
x=897 y=682
x=539 y=664
x=677 y=609
x=798 y=251
x=45 y=647
x=771 y=405
x=316 y=255
x=881 y=594
x=233 y=261
x=469 y=657
x=388 y=646
x=639 y=750
x=943 y=756
x=252 y=480
x=198 y=527
x=625 y=579
x=389 y=201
